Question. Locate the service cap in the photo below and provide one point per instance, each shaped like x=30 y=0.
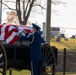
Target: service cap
x=35 y=26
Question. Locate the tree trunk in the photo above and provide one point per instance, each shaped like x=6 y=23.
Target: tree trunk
x=26 y=12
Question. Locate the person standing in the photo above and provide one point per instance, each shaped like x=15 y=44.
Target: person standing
x=35 y=48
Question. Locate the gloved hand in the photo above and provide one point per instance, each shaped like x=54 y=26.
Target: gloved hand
x=20 y=30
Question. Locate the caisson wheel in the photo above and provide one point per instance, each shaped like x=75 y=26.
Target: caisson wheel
x=3 y=60
x=49 y=61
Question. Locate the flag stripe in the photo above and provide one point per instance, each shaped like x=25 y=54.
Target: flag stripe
x=11 y=37
x=3 y=32
x=8 y=33
x=0 y=29
x=14 y=39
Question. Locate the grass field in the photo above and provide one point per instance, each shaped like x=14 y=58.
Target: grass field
x=23 y=72
x=26 y=72
x=69 y=44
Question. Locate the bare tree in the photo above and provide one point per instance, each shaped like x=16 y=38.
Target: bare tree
x=24 y=7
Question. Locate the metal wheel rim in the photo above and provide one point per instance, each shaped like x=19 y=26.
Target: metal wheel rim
x=47 y=59
x=3 y=60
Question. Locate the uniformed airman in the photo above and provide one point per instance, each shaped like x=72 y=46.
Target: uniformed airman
x=35 y=48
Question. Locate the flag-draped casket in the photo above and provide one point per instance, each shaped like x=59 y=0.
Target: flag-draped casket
x=9 y=33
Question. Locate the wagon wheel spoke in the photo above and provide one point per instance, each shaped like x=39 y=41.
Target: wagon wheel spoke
x=3 y=60
x=49 y=56
x=45 y=55
x=48 y=60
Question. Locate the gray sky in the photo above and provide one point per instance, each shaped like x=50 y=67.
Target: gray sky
x=65 y=17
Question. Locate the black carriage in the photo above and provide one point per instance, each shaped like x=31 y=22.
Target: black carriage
x=18 y=56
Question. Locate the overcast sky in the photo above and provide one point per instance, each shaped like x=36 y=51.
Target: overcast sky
x=65 y=16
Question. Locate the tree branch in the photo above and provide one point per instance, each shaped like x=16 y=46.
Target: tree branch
x=26 y=7
x=18 y=10
x=8 y=6
x=30 y=7
x=57 y=2
x=39 y=6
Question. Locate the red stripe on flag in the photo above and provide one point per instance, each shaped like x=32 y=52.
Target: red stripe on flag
x=0 y=29
x=14 y=40
x=7 y=28
x=9 y=33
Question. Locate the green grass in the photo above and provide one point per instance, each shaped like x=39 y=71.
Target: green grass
x=26 y=72
x=70 y=45
x=23 y=72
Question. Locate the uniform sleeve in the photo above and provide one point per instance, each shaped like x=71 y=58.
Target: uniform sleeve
x=42 y=40
x=29 y=37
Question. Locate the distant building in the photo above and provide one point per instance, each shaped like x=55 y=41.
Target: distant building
x=54 y=31
x=62 y=35
x=73 y=36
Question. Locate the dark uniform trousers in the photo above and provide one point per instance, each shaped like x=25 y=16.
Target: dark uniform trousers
x=36 y=67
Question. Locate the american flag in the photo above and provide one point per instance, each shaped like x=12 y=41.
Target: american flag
x=9 y=33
